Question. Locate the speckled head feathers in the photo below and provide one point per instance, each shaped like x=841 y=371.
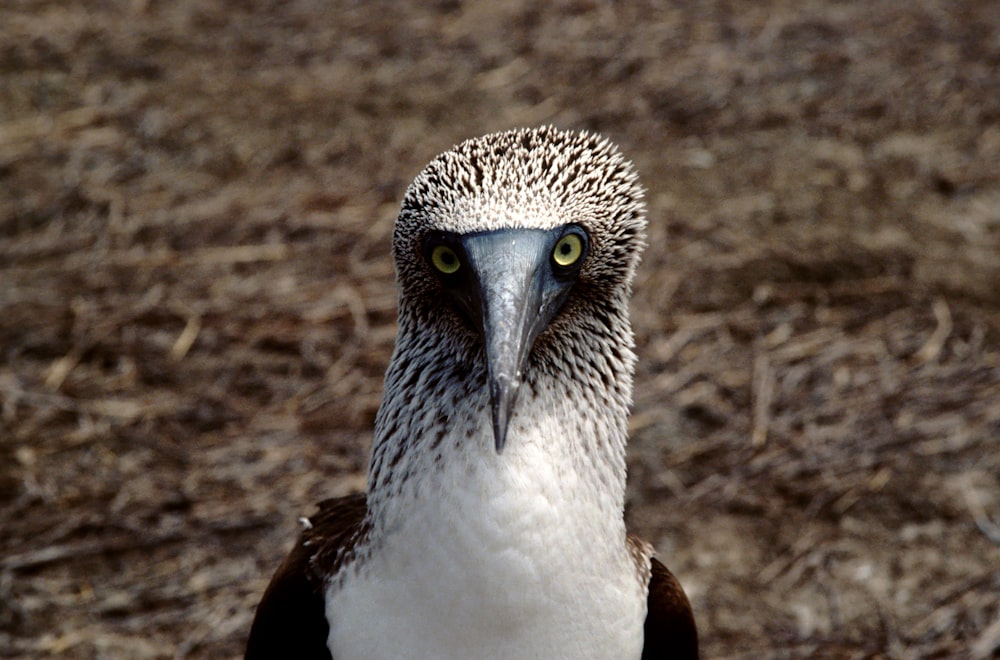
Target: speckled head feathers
x=527 y=178
x=438 y=416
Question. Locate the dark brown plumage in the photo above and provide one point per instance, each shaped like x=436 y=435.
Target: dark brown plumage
x=291 y=618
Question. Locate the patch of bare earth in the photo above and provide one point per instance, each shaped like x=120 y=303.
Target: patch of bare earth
x=196 y=299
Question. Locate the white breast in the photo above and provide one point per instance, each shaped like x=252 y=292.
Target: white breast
x=487 y=556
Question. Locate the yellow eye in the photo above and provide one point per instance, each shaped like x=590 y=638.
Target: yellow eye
x=445 y=259
x=568 y=250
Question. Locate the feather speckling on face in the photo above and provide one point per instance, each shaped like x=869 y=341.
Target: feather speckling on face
x=538 y=178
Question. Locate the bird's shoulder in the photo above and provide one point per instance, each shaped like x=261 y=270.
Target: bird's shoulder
x=669 y=630
x=291 y=617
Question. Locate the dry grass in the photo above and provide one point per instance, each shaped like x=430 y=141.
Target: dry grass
x=196 y=302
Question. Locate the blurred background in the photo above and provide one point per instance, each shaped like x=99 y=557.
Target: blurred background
x=197 y=302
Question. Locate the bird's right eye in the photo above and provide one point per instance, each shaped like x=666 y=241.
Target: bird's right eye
x=445 y=260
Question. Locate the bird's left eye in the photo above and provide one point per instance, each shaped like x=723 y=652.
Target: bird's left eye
x=445 y=259
x=568 y=250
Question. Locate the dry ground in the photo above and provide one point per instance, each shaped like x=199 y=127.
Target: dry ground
x=196 y=302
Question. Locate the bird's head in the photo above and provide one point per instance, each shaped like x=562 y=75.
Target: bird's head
x=514 y=237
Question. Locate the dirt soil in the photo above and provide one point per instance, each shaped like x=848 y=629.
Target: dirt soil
x=197 y=303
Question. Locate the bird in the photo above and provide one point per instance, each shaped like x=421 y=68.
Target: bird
x=492 y=525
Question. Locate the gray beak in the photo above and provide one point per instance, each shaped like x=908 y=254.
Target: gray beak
x=512 y=296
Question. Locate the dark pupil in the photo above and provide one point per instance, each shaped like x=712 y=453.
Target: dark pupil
x=448 y=258
x=565 y=248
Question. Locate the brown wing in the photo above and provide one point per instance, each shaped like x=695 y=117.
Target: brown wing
x=670 y=630
x=291 y=618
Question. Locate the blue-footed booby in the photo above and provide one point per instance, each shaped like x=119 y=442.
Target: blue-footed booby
x=492 y=526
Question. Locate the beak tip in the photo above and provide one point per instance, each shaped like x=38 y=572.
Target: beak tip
x=499 y=433
x=504 y=396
